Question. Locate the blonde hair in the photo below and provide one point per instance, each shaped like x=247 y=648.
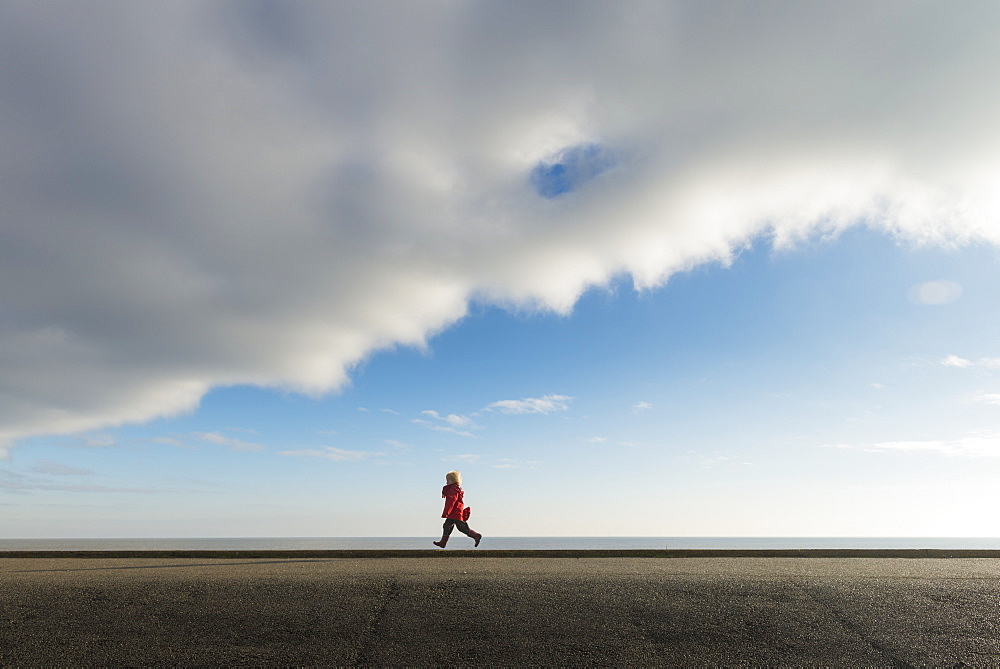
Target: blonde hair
x=454 y=477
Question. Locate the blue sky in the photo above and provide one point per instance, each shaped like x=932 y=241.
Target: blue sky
x=635 y=269
x=762 y=398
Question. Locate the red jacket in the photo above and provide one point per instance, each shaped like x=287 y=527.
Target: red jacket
x=453 y=504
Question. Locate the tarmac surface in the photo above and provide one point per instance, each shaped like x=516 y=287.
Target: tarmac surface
x=208 y=610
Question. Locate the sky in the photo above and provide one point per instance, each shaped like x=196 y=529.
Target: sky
x=635 y=268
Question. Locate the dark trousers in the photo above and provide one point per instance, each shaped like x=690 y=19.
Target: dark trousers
x=462 y=526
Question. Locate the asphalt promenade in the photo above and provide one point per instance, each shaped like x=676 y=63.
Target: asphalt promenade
x=464 y=608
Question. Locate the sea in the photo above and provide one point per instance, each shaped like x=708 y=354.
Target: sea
x=494 y=543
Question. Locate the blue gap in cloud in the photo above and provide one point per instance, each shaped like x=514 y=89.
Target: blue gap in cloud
x=570 y=168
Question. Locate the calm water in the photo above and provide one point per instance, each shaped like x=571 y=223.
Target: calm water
x=502 y=543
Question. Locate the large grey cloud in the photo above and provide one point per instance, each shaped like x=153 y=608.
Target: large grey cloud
x=211 y=193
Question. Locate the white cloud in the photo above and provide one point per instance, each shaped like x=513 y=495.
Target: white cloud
x=451 y=423
x=935 y=292
x=508 y=463
x=981 y=444
x=452 y=419
x=597 y=440
x=988 y=398
x=331 y=453
x=984 y=363
x=546 y=404
x=275 y=205
x=640 y=407
x=229 y=442
x=444 y=428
